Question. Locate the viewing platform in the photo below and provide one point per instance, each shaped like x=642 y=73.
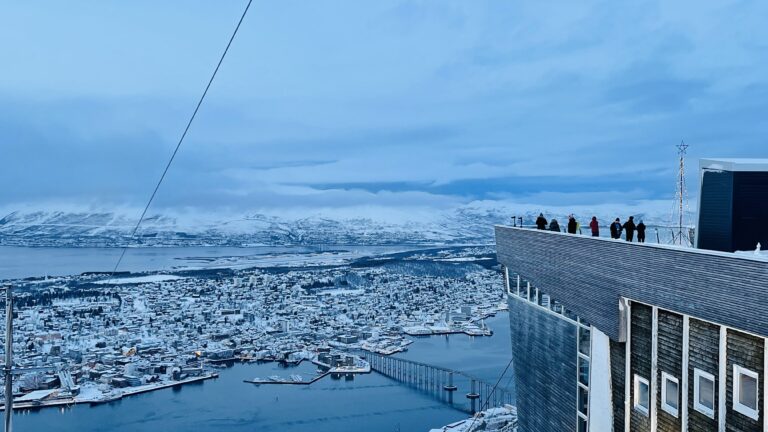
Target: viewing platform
x=591 y=274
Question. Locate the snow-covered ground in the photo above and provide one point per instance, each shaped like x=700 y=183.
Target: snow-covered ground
x=502 y=419
x=139 y=279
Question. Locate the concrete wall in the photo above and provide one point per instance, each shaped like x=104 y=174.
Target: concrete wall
x=589 y=275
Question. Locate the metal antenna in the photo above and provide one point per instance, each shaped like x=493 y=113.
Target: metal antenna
x=681 y=198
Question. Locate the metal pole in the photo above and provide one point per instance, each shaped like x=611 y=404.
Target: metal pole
x=8 y=357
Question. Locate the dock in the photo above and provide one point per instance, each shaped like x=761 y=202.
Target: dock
x=128 y=392
x=289 y=382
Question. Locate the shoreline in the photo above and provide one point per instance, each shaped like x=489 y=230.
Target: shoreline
x=146 y=388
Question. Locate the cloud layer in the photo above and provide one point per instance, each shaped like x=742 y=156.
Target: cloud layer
x=374 y=105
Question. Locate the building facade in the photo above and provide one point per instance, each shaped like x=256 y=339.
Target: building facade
x=616 y=336
x=733 y=204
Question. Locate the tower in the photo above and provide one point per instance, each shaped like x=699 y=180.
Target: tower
x=680 y=230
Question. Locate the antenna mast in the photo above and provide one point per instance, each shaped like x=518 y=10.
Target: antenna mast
x=679 y=233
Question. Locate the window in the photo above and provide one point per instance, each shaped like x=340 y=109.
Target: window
x=670 y=394
x=745 y=393
x=544 y=300
x=642 y=395
x=584 y=340
x=582 y=424
x=556 y=306
x=583 y=401
x=584 y=371
x=704 y=392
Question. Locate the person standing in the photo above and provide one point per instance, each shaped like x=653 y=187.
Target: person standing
x=641 y=232
x=541 y=222
x=629 y=227
x=595 y=227
x=572 y=225
x=616 y=229
x=554 y=226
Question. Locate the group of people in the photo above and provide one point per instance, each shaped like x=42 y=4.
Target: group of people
x=617 y=228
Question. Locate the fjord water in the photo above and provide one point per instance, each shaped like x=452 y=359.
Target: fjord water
x=371 y=402
x=22 y=262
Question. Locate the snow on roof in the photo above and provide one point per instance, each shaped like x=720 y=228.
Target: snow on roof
x=35 y=396
x=760 y=255
x=734 y=164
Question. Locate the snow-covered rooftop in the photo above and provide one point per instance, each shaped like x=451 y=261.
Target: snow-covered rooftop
x=731 y=164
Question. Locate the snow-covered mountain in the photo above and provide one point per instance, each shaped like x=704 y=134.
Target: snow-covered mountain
x=470 y=223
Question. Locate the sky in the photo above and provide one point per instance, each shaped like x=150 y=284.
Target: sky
x=373 y=105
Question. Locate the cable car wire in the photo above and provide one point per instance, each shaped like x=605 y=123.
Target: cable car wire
x=181 y=139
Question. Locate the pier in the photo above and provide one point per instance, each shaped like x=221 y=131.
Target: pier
x=285 y=381
x=442 y=382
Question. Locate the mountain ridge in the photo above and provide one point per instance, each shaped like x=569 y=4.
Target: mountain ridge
x=467 y=224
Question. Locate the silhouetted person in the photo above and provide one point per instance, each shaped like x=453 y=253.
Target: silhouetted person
x=641 y=232
x=572 y=225
x=595 y=227
x=629 y=227
x=541 y=222
x=554 y=226
x=616 y=229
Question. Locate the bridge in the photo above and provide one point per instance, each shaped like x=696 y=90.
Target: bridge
x=441 y=382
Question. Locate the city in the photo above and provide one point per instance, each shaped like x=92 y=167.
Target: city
x=104 y=338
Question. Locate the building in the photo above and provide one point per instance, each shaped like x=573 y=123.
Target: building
x=733 y=208
x=616 y=336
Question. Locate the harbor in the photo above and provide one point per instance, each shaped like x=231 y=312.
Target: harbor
x=46 y=399
x=293 y=408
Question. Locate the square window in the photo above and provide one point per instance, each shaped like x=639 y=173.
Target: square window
x=704 y=392
x=745 y=392
x=670 y=394
x=642 y=395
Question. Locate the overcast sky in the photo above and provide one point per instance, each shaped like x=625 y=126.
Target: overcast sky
x=374 y=103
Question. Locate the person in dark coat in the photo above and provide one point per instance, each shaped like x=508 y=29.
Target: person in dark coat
x=572 y=225
x=554 y=226
x=629 y=227
x=595 y=227
x=541 y=222
x=641 y=232
x=616 y=229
